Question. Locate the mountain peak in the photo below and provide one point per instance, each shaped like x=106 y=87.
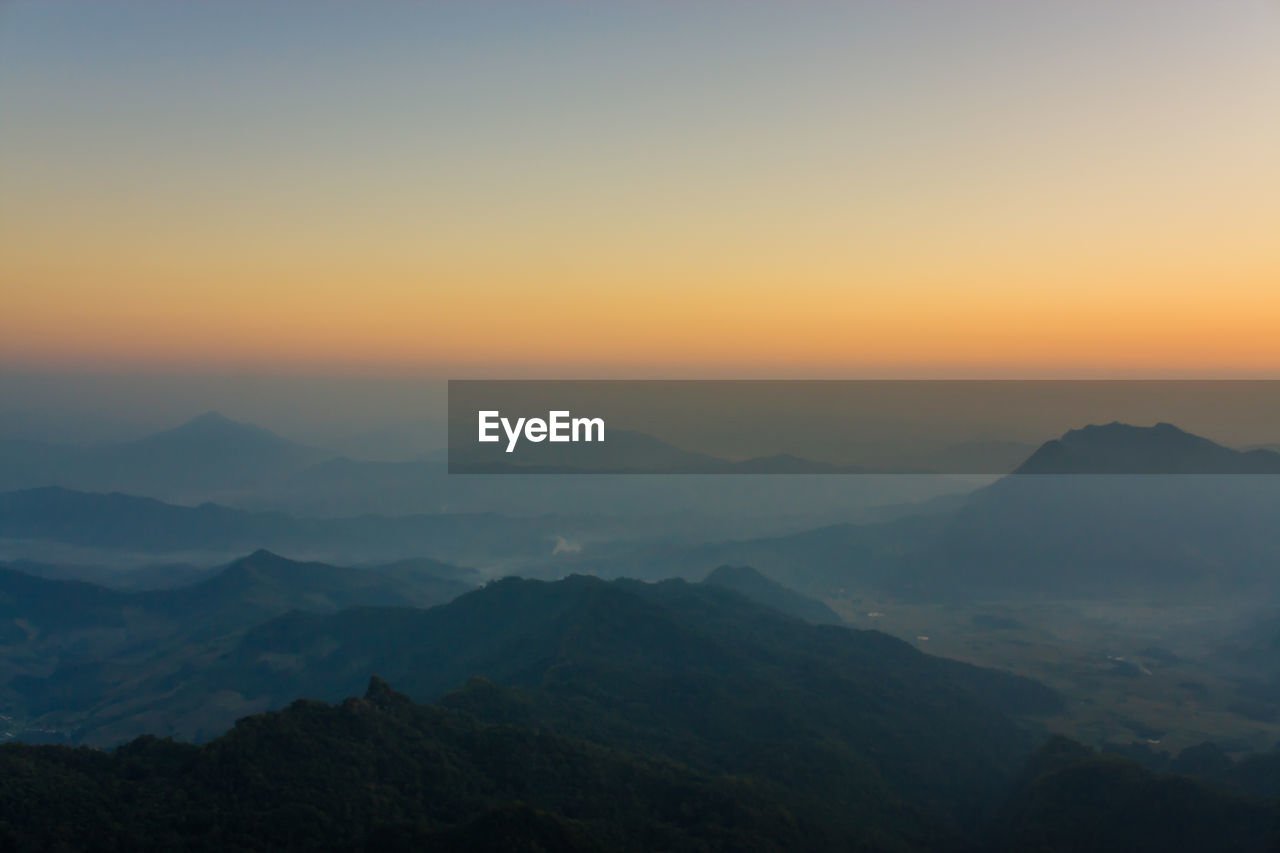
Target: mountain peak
x=758 y=587
x=1120 y=448
x=1120 y=431
x=380 y=695
x=221 y=446
x=252 y=570
x=262 y=557
x=214 y=424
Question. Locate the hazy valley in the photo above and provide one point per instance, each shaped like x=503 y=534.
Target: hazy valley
x=892 y=680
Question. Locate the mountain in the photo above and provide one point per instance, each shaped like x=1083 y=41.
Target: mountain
x=689 y=673
x=33 y=605
x=1112 y=510
x=244 y=592
x=210 y=451
x=1067 y=534
x=382 y=772
x=264 y=584
x=65 y=644
x=213 y=459
x=208 y=454
x=1118 y=448
x=134 y=523
x=762 y=590
x=1076 y=533
x=1274 y=447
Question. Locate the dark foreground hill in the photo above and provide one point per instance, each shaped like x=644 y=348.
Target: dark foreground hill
x=692 y=673
x=383 y=773
x=378 y=773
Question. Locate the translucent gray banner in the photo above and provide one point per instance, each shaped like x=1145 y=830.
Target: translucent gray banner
x=986 y=427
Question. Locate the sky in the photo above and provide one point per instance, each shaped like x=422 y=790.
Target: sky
x=907 y=188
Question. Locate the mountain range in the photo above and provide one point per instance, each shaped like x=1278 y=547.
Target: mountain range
x=695 y=674
x=67 y=643
x=494 y=768
x=213 y=459
x=146 y=525
x=582 y=713
x=383 y=772
x=174 y=651
x=1073 y=522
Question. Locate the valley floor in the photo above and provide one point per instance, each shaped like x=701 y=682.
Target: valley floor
x=1149 y=673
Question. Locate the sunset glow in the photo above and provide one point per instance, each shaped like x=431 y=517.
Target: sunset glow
x=904 y=188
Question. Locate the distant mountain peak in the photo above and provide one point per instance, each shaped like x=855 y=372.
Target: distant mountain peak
x=214 y=424
x=262 y=555
x=1120 y=448
x=262 y=561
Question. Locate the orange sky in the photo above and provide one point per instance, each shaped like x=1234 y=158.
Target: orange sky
x=855 y=191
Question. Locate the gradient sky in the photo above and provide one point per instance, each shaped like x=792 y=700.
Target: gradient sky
x=670 y=188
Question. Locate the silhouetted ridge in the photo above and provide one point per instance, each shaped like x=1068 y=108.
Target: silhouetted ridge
x=1118 y=448
x=266 y=583
x=692 y=673
x=385 y=773
x=46 y=623
x=380 y=694
x=215 y=428
x=379 y=774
